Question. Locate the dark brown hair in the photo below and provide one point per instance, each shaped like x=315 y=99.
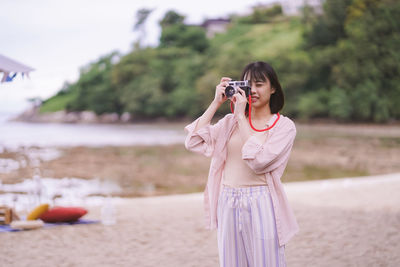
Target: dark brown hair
x=261 y=71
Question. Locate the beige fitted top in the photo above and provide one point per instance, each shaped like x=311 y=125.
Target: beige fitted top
x=236 y=172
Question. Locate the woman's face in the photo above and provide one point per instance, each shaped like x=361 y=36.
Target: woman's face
x=261 y=93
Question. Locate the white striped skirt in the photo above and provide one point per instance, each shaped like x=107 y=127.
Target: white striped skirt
x=247 y=235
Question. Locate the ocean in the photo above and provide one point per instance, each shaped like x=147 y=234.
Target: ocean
x=17 y=134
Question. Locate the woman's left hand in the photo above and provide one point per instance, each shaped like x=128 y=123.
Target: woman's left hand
x=240 y=101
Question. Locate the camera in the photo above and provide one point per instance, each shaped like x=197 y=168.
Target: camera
x=232 y=88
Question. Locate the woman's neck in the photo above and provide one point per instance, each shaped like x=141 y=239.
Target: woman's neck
x=261 y=114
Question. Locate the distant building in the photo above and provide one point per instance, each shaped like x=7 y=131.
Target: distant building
x=213 y=26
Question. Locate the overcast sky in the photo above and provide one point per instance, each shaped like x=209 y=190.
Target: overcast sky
x=57 y=37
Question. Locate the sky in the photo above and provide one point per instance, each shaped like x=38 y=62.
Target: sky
x=57 y=38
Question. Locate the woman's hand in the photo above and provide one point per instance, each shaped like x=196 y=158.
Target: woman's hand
x=240 y=101
x=220 y=96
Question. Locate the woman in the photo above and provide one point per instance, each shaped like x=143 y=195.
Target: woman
x=244 y=197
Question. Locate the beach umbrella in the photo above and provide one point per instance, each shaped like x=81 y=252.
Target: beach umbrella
x=10 y=68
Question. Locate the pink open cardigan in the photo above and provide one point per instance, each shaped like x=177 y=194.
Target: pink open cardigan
x=269 y=158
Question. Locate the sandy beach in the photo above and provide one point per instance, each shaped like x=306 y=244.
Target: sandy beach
x=343 y=222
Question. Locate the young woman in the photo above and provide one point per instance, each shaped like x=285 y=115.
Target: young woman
x=244 y=197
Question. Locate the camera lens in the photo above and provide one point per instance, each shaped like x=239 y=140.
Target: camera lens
x=229 y=91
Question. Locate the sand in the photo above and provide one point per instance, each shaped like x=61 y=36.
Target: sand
x=343 y=222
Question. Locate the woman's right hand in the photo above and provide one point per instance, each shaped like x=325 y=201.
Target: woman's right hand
x=220 y=96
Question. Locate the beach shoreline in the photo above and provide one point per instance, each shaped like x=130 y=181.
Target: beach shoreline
x=353 y=223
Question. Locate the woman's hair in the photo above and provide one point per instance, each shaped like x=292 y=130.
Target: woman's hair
x=261 y=71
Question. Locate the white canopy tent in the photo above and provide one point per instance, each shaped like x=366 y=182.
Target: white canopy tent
x=10 y=68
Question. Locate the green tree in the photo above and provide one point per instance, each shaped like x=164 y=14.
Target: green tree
x=171 y=18
x=262 y=14
x=328 y=28
x=349 y=72
x=354 y=59
x=94 y=89
x=141 y=18
x=369 y=57
x=177 y=34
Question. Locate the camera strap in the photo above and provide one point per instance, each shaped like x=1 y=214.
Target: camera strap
x=251 y=124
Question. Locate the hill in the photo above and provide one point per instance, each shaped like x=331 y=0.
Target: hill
x=331 y=66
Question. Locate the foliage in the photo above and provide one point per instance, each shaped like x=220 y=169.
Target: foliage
x=59 y=101
x=342 y=64
x=177 y=34
x=262 y=14
x=184 y=36
x=160 y=86
x=171 y=18
x=326 y=29
x=141 y=17
x=94 y=90
x=357 y=64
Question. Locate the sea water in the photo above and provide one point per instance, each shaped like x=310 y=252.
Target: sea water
x=17 y=134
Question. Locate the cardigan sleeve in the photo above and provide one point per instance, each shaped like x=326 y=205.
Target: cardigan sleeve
x=263 y=158
x=203 y=140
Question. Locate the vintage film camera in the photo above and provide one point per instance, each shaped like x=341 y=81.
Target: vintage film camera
x=232 y=88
